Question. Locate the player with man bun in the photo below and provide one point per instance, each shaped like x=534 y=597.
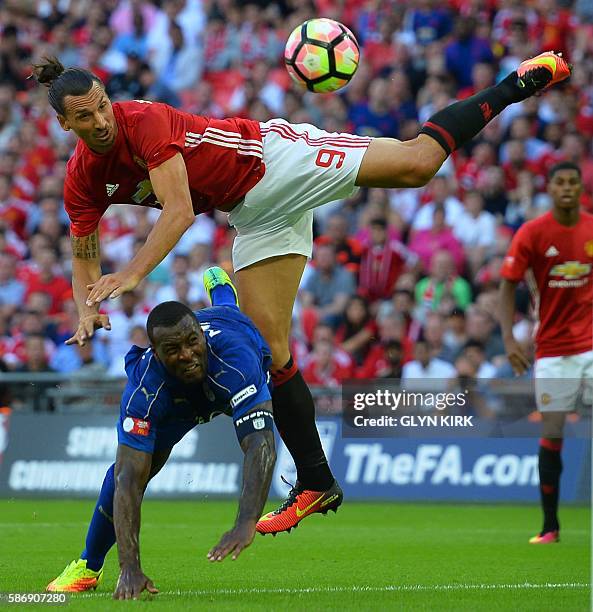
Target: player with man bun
x=269 y=177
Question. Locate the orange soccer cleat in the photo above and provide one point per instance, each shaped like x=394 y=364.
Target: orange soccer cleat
x=543 y=71
x=299 y=504
x=75 y=578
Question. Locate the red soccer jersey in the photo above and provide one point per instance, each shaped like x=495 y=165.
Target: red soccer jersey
x=557 y=261
x=223 y=159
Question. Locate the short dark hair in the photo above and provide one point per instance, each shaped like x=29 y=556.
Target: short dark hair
x=474 y=344
x=63 y=82
x=379 y=222
x=563 y=165
x=166 y=314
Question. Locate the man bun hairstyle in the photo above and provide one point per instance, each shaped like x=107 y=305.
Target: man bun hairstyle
x=166 y=314
x=63 y=82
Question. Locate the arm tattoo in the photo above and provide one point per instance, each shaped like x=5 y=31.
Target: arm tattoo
x=85 y=247
x=258 y=466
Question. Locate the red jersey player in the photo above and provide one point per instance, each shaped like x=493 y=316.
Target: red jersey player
x=269 y=177
x=555 y=254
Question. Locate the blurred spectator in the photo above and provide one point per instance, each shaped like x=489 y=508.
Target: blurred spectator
x=356 y=334
x=439 y=190
x=89 y=360
x=440 y=237
x=442 y=282
x=391 y=328
x=36 y=359
x=375 y=117
x=136 y=336
x=493 y=190
x=465 y=51
x=13 y=58
x=476 y=229
x=177 y=63
x=134 y=41
x=323 y=368
x=180 y=291
x=482 y=77
x=521 y=131
x=434 y=334
x=128 y=85
x=474 y=351
x=424 y=366
x=381 y=51
x=45 y=280
x=392 y=366
x=328 y=287
x=481 y=327
x=12 y=291
x=348 y=248
x=429 y=21
x=382 y=263
x=455 y=337
x=129 y=315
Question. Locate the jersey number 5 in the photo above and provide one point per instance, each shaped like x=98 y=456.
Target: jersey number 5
x=325 y=158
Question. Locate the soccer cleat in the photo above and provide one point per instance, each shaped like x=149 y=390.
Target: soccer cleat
x=543 y=71
x=75 y=579
x=299 y=504
x=214 y=277
x=549 y=537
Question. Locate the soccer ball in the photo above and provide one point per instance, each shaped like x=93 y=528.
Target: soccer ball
x=321 y=55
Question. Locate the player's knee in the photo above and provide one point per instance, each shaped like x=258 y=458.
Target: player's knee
x=280 y=354
x=278 y=343
x=428 y=158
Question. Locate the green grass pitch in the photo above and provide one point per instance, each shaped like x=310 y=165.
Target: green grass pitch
x=383 y=556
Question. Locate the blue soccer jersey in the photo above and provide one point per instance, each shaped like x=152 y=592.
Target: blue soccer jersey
x=157 y=410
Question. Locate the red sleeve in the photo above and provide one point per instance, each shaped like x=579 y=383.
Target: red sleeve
x=84 y=212
x=159 y=134
x=518 y=258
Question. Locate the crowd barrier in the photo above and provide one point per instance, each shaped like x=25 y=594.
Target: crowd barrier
x=60 y=455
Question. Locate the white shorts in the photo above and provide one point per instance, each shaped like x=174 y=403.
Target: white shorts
x=558 y=381
x=305 y=168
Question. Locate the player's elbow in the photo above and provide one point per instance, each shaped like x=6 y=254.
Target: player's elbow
x=187 y=218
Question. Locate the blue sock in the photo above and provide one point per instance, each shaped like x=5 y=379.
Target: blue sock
x=223 y=295
x=101 y=534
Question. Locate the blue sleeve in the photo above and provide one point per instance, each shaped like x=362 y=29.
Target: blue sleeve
x=143 y=404
x=241 y=375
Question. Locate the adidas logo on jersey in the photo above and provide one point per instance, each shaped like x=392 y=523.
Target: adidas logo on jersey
x=111 y=189
x=552 y=252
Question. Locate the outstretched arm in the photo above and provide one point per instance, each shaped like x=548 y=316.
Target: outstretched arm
x=170 y=184
x=515 y=353
x=132 y=469
x=86 y=269
x=258 y=466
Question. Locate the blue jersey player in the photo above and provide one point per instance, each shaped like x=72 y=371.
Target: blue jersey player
x=199 y=365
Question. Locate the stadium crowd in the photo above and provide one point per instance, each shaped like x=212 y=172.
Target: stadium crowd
x=402 y=282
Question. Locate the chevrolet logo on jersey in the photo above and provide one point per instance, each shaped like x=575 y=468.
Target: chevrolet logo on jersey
x=589 y=248
x=571 y=270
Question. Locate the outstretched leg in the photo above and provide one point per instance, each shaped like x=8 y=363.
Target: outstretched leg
x=391 y=163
